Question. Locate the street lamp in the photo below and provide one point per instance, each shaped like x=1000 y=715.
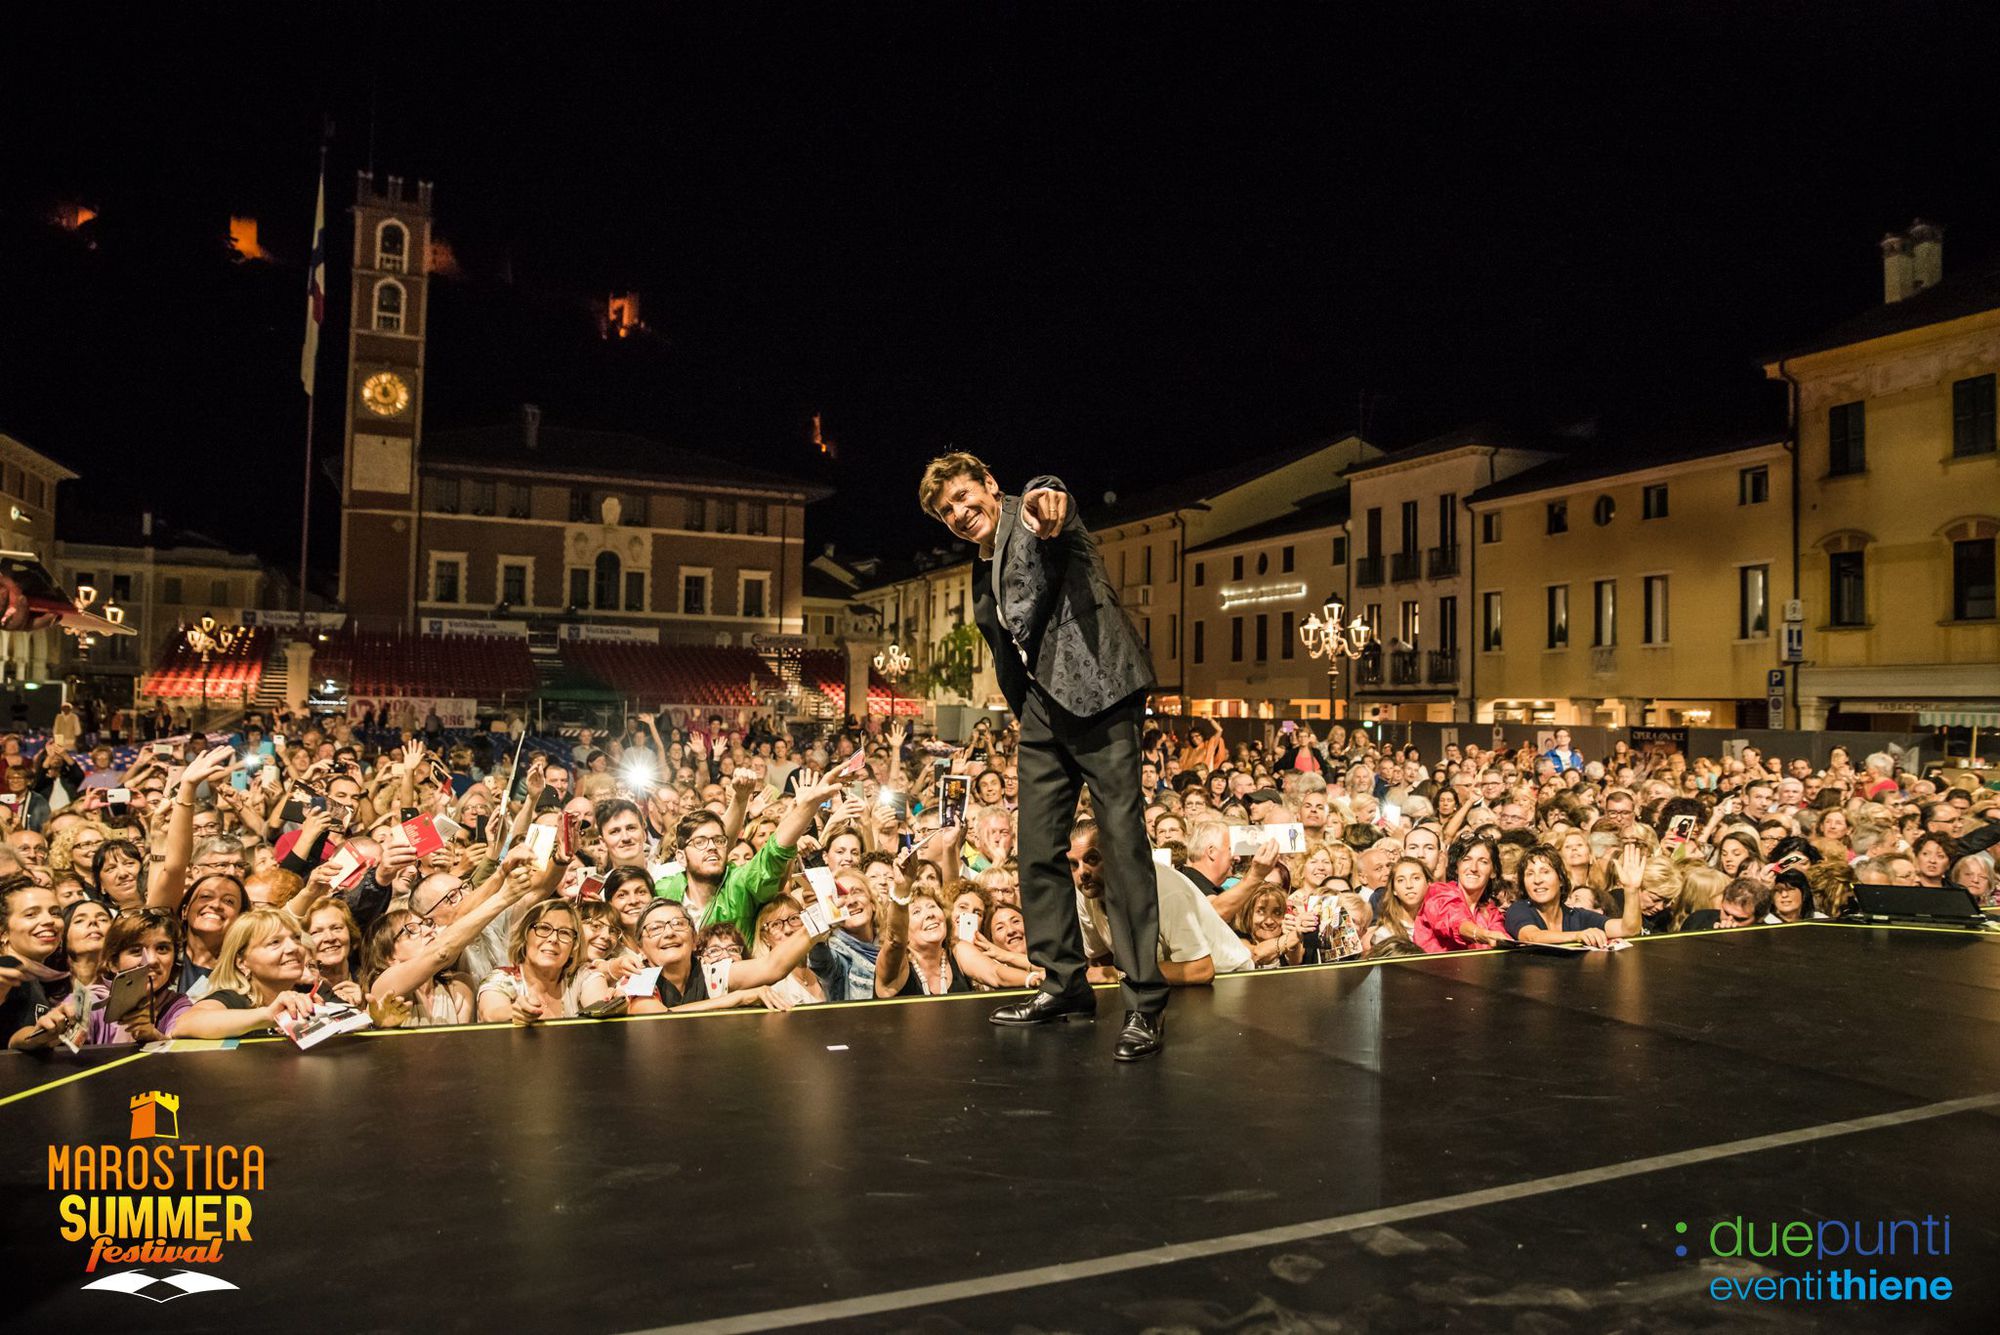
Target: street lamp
x=893 y=663
x=1325 y=637
x=207 y=638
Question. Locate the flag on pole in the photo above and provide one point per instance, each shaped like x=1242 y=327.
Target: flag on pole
x=315 y=289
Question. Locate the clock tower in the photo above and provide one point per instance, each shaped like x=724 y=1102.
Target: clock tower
x=388 y=312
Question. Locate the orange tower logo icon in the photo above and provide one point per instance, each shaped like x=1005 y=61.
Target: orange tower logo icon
x=156 y=1116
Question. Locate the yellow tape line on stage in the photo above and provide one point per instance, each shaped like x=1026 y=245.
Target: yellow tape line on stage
x=71 y=1078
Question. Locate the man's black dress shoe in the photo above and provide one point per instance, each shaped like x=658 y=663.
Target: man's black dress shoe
x=1047 y=1008
x=1143 y=1036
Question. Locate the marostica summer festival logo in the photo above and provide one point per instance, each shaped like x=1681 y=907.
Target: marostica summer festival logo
x=157 y=1200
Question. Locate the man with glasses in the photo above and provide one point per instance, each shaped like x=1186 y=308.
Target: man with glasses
x=712 y=891
x=220 y=856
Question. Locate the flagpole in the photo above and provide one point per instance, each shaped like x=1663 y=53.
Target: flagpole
x=312 y=397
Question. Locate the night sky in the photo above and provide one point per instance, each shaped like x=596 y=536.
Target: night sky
x=1115 y=242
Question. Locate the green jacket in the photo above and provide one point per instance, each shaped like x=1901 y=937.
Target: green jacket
x=746 y=888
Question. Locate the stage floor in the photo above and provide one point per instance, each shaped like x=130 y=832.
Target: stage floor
x=1451 y=1143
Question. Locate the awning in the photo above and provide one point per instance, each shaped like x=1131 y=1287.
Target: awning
x=1960 y=718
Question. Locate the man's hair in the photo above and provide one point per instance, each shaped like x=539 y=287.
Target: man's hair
x=222 y=845
x=685 y=829
x=942 y=470
x=1204 y=835
x=1742 y=892
x=1879 y=870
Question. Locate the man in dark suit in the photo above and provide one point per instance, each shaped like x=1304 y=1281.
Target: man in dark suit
x=1075 y=674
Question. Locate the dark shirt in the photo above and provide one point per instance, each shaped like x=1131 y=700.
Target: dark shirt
x=1522 y=914
x=1201 y=883
x=186 y=974
x=1701 y=920
x=913 y=986
x=696 y=989
x=24 y=1005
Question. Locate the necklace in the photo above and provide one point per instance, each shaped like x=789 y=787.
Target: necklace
x=933 y=986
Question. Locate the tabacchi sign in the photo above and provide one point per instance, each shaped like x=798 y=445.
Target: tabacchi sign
x=158 y=1200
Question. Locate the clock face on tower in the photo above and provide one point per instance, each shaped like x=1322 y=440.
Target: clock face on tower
x=386 y=394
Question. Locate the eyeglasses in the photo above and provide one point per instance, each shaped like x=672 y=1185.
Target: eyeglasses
x=413 y=927
x=451 y=896
x=704 y=841
x=661 y=931
x=782 y=926
x=562 y=936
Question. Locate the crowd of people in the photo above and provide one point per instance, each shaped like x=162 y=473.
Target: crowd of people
x=218 y=887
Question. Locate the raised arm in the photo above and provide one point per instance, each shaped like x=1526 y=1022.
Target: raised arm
x=521 y=880
x=742 y=785
x=989 y=969
x=769 y=968
x=892 y=962
x=1631 y=865
x=163 y=891
x=805 y=804
x=1231 y=901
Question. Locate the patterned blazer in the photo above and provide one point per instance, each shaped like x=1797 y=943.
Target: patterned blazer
x=1049 y=613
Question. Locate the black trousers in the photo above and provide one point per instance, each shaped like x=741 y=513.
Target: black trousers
x=1059 y=754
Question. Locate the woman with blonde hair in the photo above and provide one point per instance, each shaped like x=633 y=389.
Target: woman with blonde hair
x=1832 y=883
x=74 y=849
x=255 y=979
x=545 y=954
x=1581 y=863
x=1659 y=896
x=333 y=948
x=1701 y=888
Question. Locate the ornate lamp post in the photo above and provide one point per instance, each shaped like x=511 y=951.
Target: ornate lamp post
x=1325 y=637
x=207 y=639
x=893 y=664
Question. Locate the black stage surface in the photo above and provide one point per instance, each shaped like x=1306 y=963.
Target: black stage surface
x=1453 y=1143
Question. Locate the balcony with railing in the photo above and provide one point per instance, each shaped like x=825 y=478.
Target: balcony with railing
x=1406 y=566
x=1368 y=667
x=1443 y=562
x=1368 y=571
x=1444 y=666
x=1406 y=668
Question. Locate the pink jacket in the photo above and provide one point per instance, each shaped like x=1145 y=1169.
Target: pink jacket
x=1440 y=923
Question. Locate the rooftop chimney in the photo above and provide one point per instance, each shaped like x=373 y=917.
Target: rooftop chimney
x=1927 y=247
x=1899 y=270
x=146 y=523
x=531 y=425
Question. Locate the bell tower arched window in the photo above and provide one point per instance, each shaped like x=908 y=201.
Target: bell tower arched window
x=392 y=247
x=389 y=306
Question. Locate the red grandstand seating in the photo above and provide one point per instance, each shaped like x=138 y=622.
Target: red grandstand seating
x=676 y=675
x=482 y=667
x=231 y=673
